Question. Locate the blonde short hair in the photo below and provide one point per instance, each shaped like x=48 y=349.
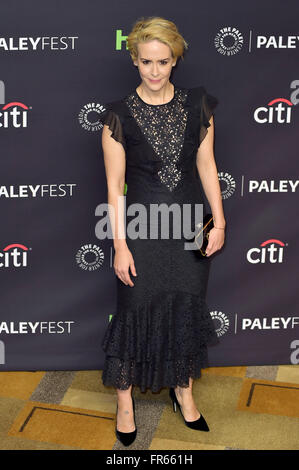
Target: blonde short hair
x=155 y=27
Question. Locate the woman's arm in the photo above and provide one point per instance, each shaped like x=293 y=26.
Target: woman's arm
x=115 y=166
x=207 y=170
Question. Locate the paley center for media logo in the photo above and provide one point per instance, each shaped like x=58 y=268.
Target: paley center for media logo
x=227 y=184
x=89 y=116
x=221 y=321
x=90 y=257
x=13 y=113
x=229 y=41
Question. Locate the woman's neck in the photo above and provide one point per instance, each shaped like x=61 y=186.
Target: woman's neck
x=156 y=97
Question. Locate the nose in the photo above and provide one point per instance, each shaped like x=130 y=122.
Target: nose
x=155 y=71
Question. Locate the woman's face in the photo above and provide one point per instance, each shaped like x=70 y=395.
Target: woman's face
x=155 y=63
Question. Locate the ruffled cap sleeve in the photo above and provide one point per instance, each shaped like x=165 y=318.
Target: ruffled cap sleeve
x=112 y=119
x=207 y=106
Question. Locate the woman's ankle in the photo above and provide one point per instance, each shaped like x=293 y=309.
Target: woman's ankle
x=184 y=392
x=125 y=399
x=124 y=395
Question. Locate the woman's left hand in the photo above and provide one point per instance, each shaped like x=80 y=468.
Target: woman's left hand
x=216 y=240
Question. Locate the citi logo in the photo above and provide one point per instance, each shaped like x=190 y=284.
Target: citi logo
x=13 y=114
x=277 y=110
x=270 y=251
x=14 y=255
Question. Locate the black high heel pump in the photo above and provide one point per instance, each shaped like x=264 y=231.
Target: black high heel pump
x=126 y=438
x=199 y=424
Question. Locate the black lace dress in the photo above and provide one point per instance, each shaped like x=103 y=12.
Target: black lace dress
x=160 y=333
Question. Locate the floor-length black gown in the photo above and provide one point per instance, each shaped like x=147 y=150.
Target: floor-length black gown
x=160 y=333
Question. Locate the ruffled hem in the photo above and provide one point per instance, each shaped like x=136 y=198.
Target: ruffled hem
x=154 y=375
x=160 y=343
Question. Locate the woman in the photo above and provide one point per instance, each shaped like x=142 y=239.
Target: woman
x=159 y=141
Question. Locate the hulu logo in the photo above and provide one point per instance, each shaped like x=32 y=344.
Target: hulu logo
x=120 y=39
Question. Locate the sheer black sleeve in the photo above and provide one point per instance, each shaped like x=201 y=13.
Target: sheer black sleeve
x=112 y=119
x=207 y=106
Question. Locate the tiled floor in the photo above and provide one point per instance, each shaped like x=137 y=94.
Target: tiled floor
x=245 y=407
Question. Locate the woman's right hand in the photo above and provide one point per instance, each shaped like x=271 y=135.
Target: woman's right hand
x=123 y=259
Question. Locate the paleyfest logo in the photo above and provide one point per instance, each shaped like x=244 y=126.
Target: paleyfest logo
x=38 y=43
x=12 y=114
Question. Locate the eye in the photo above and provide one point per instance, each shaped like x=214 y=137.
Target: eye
x=162 y=62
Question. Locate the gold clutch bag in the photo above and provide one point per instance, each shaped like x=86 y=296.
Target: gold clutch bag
x=203 y=228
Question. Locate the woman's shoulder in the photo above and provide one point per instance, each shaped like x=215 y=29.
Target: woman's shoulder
x=198 y=91
x=200 y=95
x=113 y=110
x=115 y=106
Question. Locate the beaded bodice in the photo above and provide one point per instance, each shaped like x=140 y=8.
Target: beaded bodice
x=161 y=144
x=163 y=126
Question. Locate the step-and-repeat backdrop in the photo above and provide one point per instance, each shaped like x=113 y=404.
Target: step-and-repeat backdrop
x=60 y=63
